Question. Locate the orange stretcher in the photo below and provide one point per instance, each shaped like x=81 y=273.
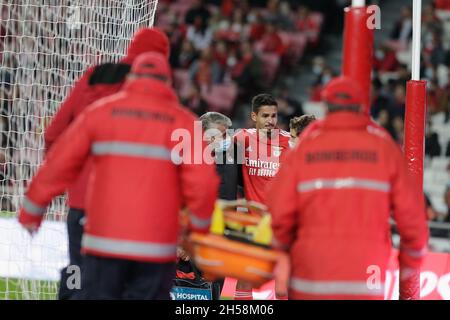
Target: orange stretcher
x=238 y=245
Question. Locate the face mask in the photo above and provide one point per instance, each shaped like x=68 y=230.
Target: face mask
x=231 y=61
x=429 y=73
x=325 y=79
x=317 y=70
x=223 y=146
x=251 y=18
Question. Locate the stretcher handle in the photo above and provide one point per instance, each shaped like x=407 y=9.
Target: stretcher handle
x=252 y=206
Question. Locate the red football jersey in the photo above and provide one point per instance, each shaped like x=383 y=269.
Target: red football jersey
x=261 y=161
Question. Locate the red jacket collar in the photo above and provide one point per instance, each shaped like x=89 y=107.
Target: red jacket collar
x=346 y=120
x=152 y=86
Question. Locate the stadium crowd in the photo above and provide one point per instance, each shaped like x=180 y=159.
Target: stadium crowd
x=392 y=70
x=224 y=52
x=392 y=67
x=222 y=55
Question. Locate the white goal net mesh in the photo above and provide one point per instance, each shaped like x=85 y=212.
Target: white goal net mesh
x=45 y=45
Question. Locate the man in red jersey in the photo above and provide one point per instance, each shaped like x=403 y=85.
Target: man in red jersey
x=261 y=150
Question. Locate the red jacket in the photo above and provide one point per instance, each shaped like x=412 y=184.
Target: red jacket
x=331 y=203
x=85 y=92
x=443 y=4
x=135 y=191
x=79 y=98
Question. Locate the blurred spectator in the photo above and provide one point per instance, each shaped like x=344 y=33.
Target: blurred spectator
x=286 y=16
x=194 y=101
x=247 y=70
x=303 y=21
x=384 y=120
x=398 y=105
x=433 y=51
x=271 y=41
x=200 y=35
x=244 y=42
x=176 y=36
x=399 y=128
x=198 y=14
x=447 y=202
x=220 y=55
x=322 y=79
x=432 y=146
x=385 y=59
x=379 y=98
x=445 y=217
x=288 y=108
x=186 y=55
x=318 y=65
x=327 y=74
x=5 y=201
x=437 y=97
x=233 y=28
x=402 y=32
x=430 y=22
x=306 y=24
x=215 y=22
x=205 y=71
x=431 y=213
x=403 y=74
x=442 y=76
x=257 y=26
x=442 y=4
x=272 y=14
x=227 y=7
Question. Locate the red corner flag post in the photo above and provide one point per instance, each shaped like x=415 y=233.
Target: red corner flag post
x=416 y=93
x=415 y=107
x=414 y=137
x=358 y=48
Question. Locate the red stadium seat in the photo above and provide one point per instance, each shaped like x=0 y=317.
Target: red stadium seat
x=181 y=8
x=296 y=44
x=182 y=83
x=163 y=22
x=271 y=62
x=318 y=18
x=221 y=97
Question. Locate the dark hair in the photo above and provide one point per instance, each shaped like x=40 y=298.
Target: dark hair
x=300 y=123
x=261 y=100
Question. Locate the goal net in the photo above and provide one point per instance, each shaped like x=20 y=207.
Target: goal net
x=45 y=45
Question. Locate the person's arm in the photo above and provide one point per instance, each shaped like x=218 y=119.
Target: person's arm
x=409 y=214
x=199 y=186
x=282 y=202
x=65 y=114
x=238 y=149
x=62 y=165
x=282 y=199
x=228 y=180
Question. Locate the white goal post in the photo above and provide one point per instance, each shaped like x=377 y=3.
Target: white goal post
x=46 y=45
